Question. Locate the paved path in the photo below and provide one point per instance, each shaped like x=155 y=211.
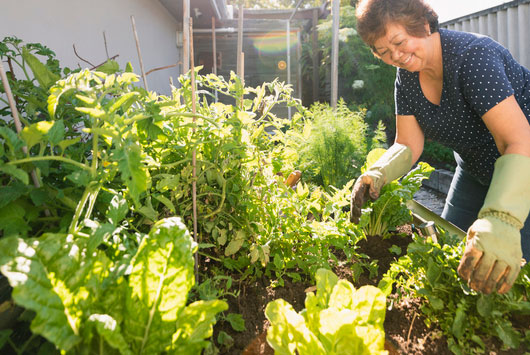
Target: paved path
x=431 y=199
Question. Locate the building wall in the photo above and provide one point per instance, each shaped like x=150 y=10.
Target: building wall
x=508 y=24
x=59 y=24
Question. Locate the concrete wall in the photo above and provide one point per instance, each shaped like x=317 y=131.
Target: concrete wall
x=59 y=24
x=508 y=24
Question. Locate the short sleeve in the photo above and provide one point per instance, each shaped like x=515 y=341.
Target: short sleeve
x=484 y=79
x=401 y=100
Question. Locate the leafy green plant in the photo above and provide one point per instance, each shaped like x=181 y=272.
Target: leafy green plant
x=364 y=81
x=86 y=303
x=390 y=210
x=468 y=319
x=438 y=154
x=337 y=320
x=331 y=144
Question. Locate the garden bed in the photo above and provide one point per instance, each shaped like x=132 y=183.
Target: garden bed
x=404 y=326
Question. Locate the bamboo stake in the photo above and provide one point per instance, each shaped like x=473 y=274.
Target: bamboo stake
x=18 y=124
x=242 y=71
x=239 y=38
x=214 y=53
x=194 y=154
x=139 y=53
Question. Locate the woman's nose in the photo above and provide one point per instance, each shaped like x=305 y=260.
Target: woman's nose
x=395 y=54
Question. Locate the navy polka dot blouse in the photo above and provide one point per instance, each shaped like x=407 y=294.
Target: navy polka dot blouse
x=478 y=73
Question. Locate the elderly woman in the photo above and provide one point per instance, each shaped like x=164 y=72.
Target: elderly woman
x=467 y=92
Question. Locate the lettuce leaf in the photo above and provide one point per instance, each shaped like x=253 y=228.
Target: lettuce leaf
x=337 y=320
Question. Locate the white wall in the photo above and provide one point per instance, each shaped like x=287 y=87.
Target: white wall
x=59 y=24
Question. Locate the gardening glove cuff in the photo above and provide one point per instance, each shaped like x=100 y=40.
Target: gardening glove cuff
x=394 y=163
x=492 y=258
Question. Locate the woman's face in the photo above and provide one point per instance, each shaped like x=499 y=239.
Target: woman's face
x=402 y=50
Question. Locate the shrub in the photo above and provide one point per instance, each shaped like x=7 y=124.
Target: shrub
x=332 y=144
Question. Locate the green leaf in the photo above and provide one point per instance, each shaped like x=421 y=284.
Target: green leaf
x=507 y=334
x=195 y=324
x=47 y=275
x=11 y=139
x=109 y=67
x=123 y=102
x=133 y=171
x=459 y=322
x=129 y=68
x=109 y=329
x=236 y=321
x=39 y=196
x=44 y=76
x=92 y=111
x=485 y=304
x=12 y=220
x=167 y=202
x=326 y=281
x=394 y=249
x=10 y=193
x=16 y=173
x=79 y=177
x=161 y=277
x=4 y=335
x=288 y=331
x=102 y=233
x=236 y=243
x=118 y=209
x=68 y=142
x=34 y=133
x=56 y=133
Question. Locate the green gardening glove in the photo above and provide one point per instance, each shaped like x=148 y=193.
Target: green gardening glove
x=394 y=163
x=492 y=258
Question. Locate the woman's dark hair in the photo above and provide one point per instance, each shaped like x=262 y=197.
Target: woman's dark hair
x=374 y=15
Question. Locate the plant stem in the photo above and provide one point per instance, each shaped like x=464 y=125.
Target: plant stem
x=63 y=159
x=79 y=209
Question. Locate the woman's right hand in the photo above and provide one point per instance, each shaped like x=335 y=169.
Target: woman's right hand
x=368 y=185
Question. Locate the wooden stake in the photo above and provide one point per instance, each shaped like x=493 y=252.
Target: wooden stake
x=239 y=38
x=18 y=124
x=242 y=71
x=194 y=153
x=214 y=52
x=139 y=53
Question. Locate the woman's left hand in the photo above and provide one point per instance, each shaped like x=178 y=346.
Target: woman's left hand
x=492 y=258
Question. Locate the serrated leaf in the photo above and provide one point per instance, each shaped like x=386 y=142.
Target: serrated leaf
x=109 y=67
x=10 y=193
x=68 y=142
x=167 y=202
x=236 y=321
x=16 y=173
x=118 y=209
x=79 y=177
x=133 y=171
x=124 y=102
x=34 y=133
x=507 y=334
x=44 y=76
x=92 y=111
x=236 y=243
x=56 y=133
x=39 y=196
x=11 y=138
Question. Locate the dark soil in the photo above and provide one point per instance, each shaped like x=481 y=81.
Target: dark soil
x=406 y=332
